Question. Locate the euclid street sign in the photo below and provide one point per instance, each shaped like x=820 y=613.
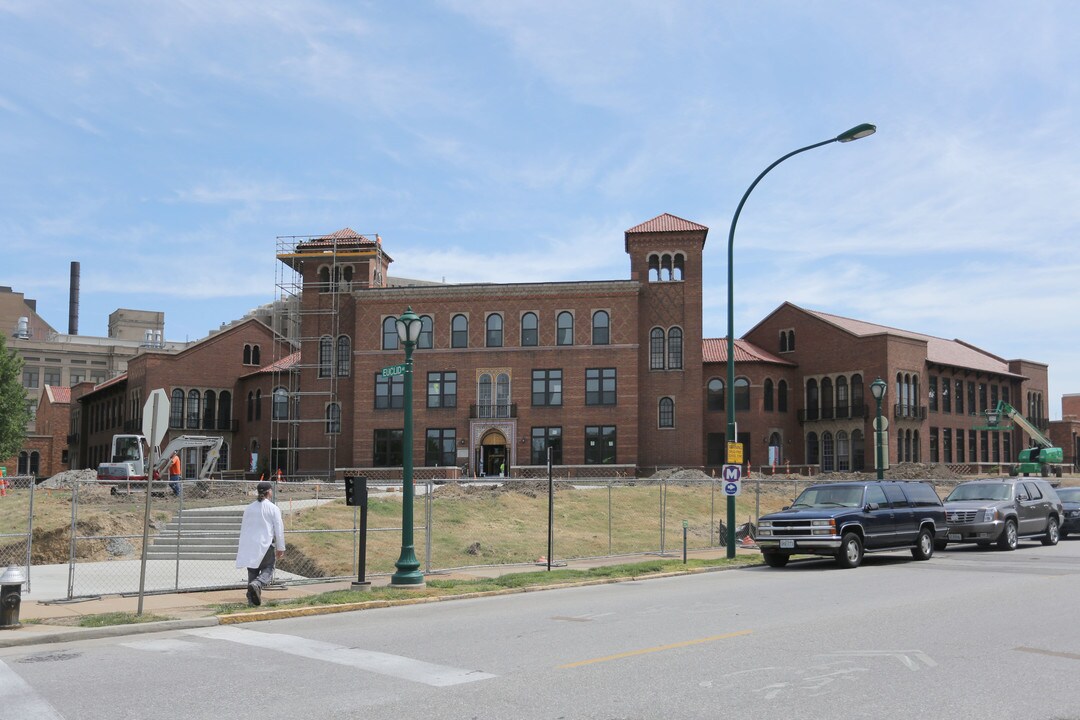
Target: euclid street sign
x=393 y=370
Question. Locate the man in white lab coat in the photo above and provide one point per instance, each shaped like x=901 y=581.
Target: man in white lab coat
x=262 y=541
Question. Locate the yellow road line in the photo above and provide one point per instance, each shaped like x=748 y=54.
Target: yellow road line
x=661 y=648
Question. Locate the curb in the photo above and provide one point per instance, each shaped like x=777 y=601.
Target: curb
x=42 y=636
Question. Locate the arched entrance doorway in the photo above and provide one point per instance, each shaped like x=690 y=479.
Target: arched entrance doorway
x=491 y=455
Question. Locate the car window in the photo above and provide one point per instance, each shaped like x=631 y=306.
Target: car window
x=921 y=494
x=1069 y=494
x=896 y=496
x=874 y=494
x=1033 y=491
x=830 y=496
x=980 y=491
x=1021 y=492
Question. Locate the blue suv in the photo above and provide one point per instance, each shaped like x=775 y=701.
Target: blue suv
x=845 y=520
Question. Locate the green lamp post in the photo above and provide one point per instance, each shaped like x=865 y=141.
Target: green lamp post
x=877 y=389
x=408 y=567
x=855 y=133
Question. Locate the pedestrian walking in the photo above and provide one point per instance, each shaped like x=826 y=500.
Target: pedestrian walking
x=175 y=478
x=262 y=542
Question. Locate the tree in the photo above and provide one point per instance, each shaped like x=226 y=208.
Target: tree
x=14 y=412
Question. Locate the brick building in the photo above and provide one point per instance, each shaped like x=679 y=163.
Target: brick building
x=1066 y=432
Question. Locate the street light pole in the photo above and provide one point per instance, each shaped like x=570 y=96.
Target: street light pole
x=855 y=133
x=408 y=567
x=877 y=389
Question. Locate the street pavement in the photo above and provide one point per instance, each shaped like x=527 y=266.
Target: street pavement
x=47 y=601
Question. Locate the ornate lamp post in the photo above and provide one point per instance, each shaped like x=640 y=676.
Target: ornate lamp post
x=408 y=567
x=877 y=389
x=855 y=133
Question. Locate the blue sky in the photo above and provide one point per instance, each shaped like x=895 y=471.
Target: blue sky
x=165 y=145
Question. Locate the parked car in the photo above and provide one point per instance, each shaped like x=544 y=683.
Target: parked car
x=1003 y=511
x=846 y=520
x=1070 y=504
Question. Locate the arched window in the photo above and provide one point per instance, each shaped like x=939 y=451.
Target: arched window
x=667 y=413
x=916 y=453
x=827 y=452
x=502 y=395
x=326 y=352
x=674 y=350
x=715 y=395
x=427 y=332
x=601 y=328
x=251 y=406
x=654 y=268
x=258 y=404
x=24 y=464
x=826 y=399
x=247 y=354
x=791 y=341
x=176 y=409
x=483 y=397
x=281 y=404
x=224 y=414
x=255 y=359
x=344 y=355
x=843 y=459
x=811 y=399
x=813 y=456
x=742 y=394
x=193 y=409
x=843 y=402
x=209 y=409
x=781 y=396
x=324 y=279
x=35 y=463
x=459 y=332
x=679 y=269
x=223 y=457
x=767 y=395
x=529 y=326
x=783 y=341
x=333 y=418
x=656 y=349
x=564 y=329
x=389 y=333
x=857 y=398
x=494 y=330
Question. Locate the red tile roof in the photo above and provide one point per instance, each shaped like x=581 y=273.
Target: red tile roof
x=955 y=353
x=344 y=237
x=283 y=364
x=714 y=350
x=58 y=395
x=666 y=223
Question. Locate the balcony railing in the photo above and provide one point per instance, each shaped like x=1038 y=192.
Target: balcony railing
x=912 y=412
x=842 y=412
x=498 y=410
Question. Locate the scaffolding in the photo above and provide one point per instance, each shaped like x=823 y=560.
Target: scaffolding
x=314 y=276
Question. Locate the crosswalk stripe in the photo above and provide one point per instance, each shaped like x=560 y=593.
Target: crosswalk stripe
x=18 y=699
x=371 y=661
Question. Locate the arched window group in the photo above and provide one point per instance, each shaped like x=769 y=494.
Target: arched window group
x=206 y=410
x=787 y=341
x=252 y=355
x=495 y=328
x=489 y=405
x=254 y=405
x=29 y=463
x=335 y=356
x=666 y=349
x=907 y=395
x=835 y=398
x=908 y=447
x=840 y=452
x=667 y=267
x=336 y=279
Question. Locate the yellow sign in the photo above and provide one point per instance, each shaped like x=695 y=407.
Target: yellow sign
x=734 y=453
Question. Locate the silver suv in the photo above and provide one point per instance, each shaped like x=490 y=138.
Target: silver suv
x=1002 y=512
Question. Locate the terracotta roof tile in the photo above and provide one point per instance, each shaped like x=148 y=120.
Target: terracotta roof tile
x=714 y=350
x=666 y=223
x=58 y=395
x=346 y=237
x=283 y=364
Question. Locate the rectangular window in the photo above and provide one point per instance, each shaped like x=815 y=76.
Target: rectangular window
x=542 y=439
x=389 y=392
x=388 y=444
x=984 y=449
x=546 y=387
x=982 y=397
x=932 y=400
x=52 y=376
x=993 y=396
x=971 y=397
x=1007 y=441
x=958 y=396
x=30 y=377
x=973 y=442
x=946 y=395
x=600 y=386
x=599 y=444
x=960 y=445
x=933 y=446
x=946 y=445
x=442 y=389
x=76 y=378
x=440 y=448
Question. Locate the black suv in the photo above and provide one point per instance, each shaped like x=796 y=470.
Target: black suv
x=848 y=519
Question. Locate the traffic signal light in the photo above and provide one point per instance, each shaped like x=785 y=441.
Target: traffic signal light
x=356 y=491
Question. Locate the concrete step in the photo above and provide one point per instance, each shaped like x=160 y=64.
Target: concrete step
x=197 y=526
x=151 y=554
x=193 y=542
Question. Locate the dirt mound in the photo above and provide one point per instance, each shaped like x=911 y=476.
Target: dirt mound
x=68 y=478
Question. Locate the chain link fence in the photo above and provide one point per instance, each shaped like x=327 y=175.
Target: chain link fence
x=16 y=522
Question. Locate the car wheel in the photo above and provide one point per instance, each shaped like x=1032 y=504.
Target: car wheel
x=1053 y=531
x=776 y=560
x=1044 y=471
x=940 y=545
x=851 y=551
x=924 y=545
x=1008 y=539
x=1014 y=471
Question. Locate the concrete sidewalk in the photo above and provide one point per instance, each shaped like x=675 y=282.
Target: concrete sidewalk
x=197 y=609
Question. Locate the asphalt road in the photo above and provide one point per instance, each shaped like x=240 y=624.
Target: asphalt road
x=969 y=633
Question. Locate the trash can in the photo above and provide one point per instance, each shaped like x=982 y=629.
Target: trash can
x=11 y=583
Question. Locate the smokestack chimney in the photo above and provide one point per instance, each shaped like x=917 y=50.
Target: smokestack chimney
x=73 y=300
